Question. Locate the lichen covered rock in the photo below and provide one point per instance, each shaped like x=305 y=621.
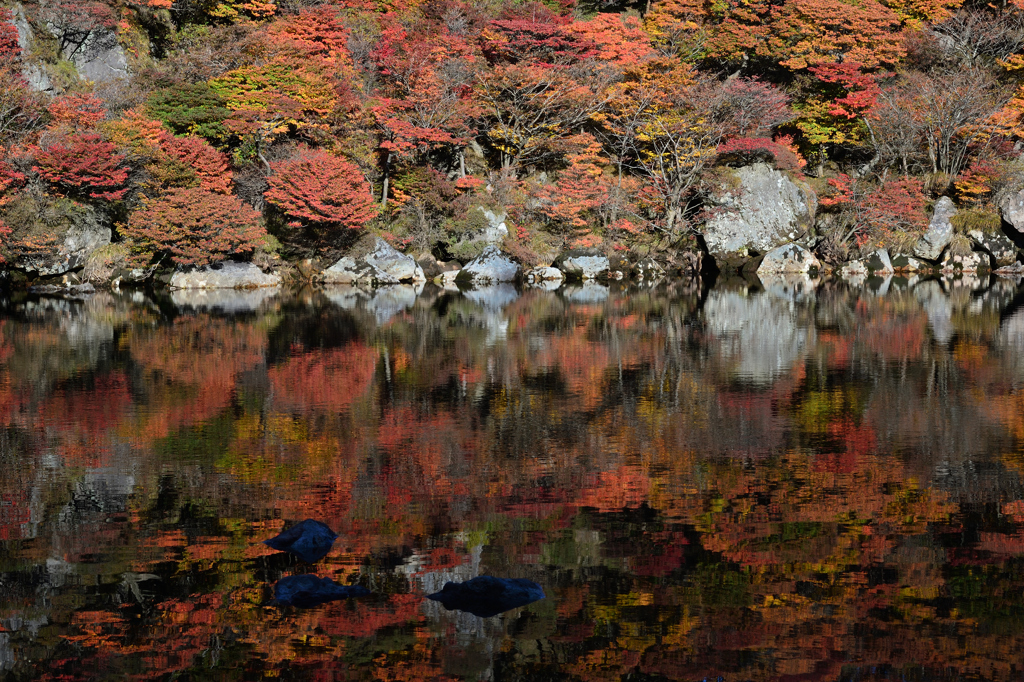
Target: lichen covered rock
x=788 y=258
x=490 y=266
x=761 y=209
x=225 y=275
x=939 y=232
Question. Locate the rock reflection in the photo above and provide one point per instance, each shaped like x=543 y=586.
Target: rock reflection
x=790 y=477
x=759 y=337
x=228 y=301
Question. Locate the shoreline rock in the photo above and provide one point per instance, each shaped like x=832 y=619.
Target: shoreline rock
x=224 y=275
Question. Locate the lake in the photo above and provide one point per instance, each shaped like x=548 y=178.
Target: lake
x=797 y=480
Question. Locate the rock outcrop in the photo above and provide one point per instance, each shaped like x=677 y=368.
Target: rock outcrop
x=904 y=263
x=972 y=262
x=32 y=73
x=1012 y=211
x=996 y=244
x=77 y=243
x=225 y=275
x=790 y=258
x=582 y=264
x=879 y=263
x=939 y=232
x=543 y=274
x=760 y=210
x=648 y=269
x=373 y=262
x=490 y=266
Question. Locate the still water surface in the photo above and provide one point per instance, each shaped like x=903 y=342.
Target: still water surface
x=796 y=481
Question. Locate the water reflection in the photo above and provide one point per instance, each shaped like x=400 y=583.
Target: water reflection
x=753 y=480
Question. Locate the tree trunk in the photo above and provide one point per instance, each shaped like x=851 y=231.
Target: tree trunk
x=387 y=177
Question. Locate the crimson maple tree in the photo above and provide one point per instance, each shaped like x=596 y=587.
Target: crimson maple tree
x=85 y=164
x=321 y=191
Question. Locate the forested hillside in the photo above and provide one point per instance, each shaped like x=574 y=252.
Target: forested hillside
x=247 y=129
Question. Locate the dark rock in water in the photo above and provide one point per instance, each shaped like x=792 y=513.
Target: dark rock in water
x=306 y=591
x=487 y=596
x=309 y=540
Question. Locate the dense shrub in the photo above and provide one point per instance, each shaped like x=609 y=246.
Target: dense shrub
x=321 y=191
x=192 y=226
x=190 y=109
x=84 y=164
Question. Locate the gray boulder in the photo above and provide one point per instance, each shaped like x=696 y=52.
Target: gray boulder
x=879 y=263
x=490 y=266
x=81 y=239
x=904 y=263
x=972 y=262
x=1012 y=211
x=789 y=258
x=853 y=269
x=224 y=275
x=389 y=260
x=544 y=274
x=582 y=264
x=939 y=232
x=760 y=210
x=997 y=244
x=432 y=267
x=373 y=262
x=648 y=268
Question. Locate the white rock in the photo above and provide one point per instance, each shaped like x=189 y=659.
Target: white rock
x=225 y=275
x=939 y=232
x=490 y=266
x=583 y=264
x=544 y=274
x=788 y=258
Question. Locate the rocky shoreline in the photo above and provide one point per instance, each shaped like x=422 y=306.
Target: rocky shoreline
x=764 y=224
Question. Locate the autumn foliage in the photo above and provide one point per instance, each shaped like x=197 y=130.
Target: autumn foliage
x=322 y=191
x=84 y=164
x=193 y=227
x=274 y=101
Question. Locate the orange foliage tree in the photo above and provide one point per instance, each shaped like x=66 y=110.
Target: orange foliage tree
x=192 y=227
x=320 y=191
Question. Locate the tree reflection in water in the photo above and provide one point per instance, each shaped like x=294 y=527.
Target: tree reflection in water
x=788 y=480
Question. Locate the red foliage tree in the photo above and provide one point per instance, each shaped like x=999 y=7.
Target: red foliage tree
x=321 y=190
x=748 y=149
x=9 y=48
x=313 y=34
x=613 y=38
x=9 y=179
x=581 y=189
x=193 y=227
x=210 y=166
x=86 y=164
x=77 y=111
x=874 y=214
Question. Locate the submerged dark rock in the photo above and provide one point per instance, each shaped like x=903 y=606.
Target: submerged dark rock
x=487 y=596
x=309 y=540
x=306 y=591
